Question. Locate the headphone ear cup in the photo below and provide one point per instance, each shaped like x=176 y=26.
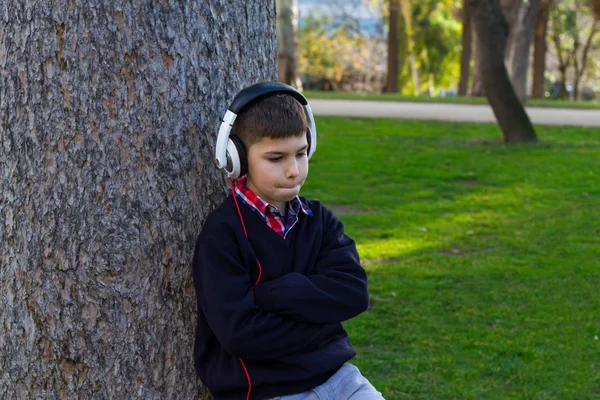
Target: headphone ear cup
x=242 y=157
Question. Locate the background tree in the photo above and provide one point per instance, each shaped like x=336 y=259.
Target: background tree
x=466 y=51
x=540 y=49
x=490 y=28
x=334 y=56
x=108 y=116
x=477 y=88
x=393 y=47
x=517 y=57
x=573 y=28
x=287 y=42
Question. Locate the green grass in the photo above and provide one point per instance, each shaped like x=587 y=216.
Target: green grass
x=454 y=100
x=483 y=258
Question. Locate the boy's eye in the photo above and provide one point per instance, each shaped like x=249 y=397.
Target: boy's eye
x=275 y=159
x=300 y=155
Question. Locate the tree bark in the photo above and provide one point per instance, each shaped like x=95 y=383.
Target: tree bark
x=287 y=42
x=491 y=32
x=539 y=50
x=477 y=89
x=393 y=71
x=108 y=115
x=510 y=11
x=518 y=58
x=465 y=55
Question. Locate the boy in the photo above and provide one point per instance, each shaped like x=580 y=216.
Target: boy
x=275 y=275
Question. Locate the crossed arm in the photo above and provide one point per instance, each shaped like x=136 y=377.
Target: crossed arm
x=281 y=316
x=226 y=299
x=335 y=291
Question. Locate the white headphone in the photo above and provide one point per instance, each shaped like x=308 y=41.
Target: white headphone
x=230 y=151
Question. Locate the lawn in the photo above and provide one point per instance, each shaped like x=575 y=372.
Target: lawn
x=483 y=258
x=595 y=105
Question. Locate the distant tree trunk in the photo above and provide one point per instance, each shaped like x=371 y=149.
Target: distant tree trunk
x=510 y=11
x=108 y=114
x=518 y=58
x=465 y=55
x=491 y=32
x=580 y=67
x=477 y=89
x=391 y=85
x=597 y=9
x=563 y=56
x=287 y=42
x=539 y=52
x=406 y=9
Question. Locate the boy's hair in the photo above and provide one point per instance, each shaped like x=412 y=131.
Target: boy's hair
x=277 y=116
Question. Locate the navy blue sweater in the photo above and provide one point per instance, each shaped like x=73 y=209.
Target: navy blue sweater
x=287 y=329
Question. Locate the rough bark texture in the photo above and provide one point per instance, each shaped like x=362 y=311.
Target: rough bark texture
x=518 y=57
x=465 y=55
x=491 y=32
x=287 y=42
x=108 y=114
x=391 y=85
x=539 y=50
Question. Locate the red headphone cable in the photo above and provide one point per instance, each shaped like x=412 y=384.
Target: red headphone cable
x=257 y=280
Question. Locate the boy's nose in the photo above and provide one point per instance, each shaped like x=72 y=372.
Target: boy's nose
x=292 y=170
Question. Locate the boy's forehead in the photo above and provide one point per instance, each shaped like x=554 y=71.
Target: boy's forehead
x=272 y=144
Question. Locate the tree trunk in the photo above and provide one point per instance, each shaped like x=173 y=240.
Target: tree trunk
x=406 y=9
x=518 y=58
x=287 y=42
x=597 y=9
x=580 y=67
x=564 y=58
x=465 y=55
x=512 y=118
x=108 y=114
x=477 y=84
x=539 y=51
x=563 y=82
x=391 y=85
x=510 y=11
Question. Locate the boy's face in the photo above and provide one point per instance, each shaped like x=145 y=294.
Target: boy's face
x=277 y=168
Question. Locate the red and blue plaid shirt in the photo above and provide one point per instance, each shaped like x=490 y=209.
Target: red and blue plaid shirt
x=268 y=212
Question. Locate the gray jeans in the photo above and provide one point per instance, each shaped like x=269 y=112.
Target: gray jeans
x=346 y=384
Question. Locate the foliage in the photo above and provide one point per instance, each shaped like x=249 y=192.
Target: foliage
x=437 y=44
x=483 y=262
x=332 y=51
x=571 y=25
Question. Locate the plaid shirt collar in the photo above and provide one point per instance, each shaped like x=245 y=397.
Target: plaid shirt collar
x=268 y=212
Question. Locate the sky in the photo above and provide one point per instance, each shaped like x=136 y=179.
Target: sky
x=367 y=17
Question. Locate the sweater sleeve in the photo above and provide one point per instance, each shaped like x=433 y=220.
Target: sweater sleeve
x=225 y=296
x=335 y=291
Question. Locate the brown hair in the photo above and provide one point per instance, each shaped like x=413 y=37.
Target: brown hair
x=276 y=116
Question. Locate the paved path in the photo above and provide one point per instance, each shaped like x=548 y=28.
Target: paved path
x=448 y=112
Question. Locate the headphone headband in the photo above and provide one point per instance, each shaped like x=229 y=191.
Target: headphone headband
x=256 y=91
x=244 y=98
